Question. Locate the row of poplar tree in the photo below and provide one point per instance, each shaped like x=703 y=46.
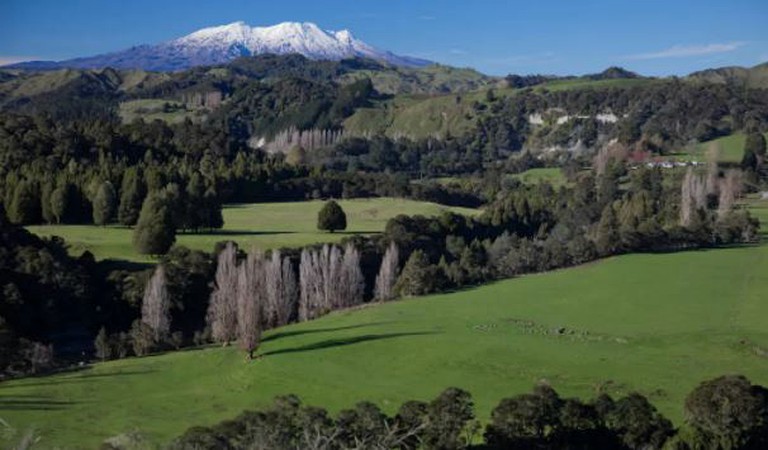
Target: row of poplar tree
x=255 y=292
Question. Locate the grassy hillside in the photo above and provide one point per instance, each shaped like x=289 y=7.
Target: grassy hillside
x=433 y=79
x=657 y=324
x=586 y=83
x=754 y=77
x=731 y=149
x=551 y=175
x=419 y=116
x=266 y=225
x=169 y=111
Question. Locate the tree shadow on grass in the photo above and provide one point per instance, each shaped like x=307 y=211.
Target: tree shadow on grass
x=285 y=334
x=28 y=403
x=342 y=342
x=350 y=233
x=234 y=233
x=67 y=379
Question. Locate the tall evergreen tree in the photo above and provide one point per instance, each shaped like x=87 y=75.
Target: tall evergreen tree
x=607 y=238
x=212 y=208
x=45 y=202
x=104 y=204
x=25 y=206
x=132 y=195
x=196 y=215
x=64 y=203
x=418 y=276
x=155 y=232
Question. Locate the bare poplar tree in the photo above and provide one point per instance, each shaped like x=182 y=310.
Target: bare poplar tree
x=311 y=282
x=713 y=171
x=601 y=160
x=730 y=190
x=222 y=307
x=331 y=265
x=351 y=282
x=156 y=305
x=385 y=280
x=612 y=151
x=251 y=299
x=693 y=196
x=329 y=280
x=273 y=275
x=290 y=293
x=281 y=289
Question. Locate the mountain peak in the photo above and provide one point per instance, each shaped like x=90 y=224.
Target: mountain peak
x=223 y=43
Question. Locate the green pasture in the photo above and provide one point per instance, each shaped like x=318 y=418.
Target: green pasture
x=654 y=323
x=264 y=225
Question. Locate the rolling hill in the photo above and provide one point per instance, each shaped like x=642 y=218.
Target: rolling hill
x=656 y=324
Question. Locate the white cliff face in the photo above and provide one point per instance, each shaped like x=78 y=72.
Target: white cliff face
x=608 y=117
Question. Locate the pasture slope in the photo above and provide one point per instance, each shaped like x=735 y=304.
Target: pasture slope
x=657 y=324
x=265 y=225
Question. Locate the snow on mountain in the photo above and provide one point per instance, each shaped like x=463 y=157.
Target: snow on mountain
x=221 y=44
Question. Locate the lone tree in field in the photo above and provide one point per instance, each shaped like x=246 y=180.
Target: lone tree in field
x=155 y=308
x=385 y=280
x=104 y=204
x=222 y=307
x=331 y=217
x=155 y=232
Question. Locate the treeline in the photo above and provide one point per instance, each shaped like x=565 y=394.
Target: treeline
x=525 y=229
x=530 y=230
x=103 y=172
x=725 y=413
x=44 y=291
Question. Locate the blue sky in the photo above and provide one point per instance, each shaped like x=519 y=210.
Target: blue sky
x=498 y=37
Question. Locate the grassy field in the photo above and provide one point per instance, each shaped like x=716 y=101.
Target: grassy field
x=731 y=149
x=564 y=85
x=421 y=116
x=657 y=324
x=152 y=109
x=266 y=225
x=552 y=175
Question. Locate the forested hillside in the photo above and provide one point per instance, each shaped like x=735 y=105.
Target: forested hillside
x=158 y=155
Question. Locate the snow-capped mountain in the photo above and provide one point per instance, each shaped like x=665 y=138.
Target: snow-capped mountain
x=221 y=44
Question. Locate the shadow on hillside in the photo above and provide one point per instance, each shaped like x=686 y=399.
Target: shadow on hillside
x=286 y=334
x=234 y=233
x=66 y=379
x=352 y=233
x=31 y=403
x=331 y=343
